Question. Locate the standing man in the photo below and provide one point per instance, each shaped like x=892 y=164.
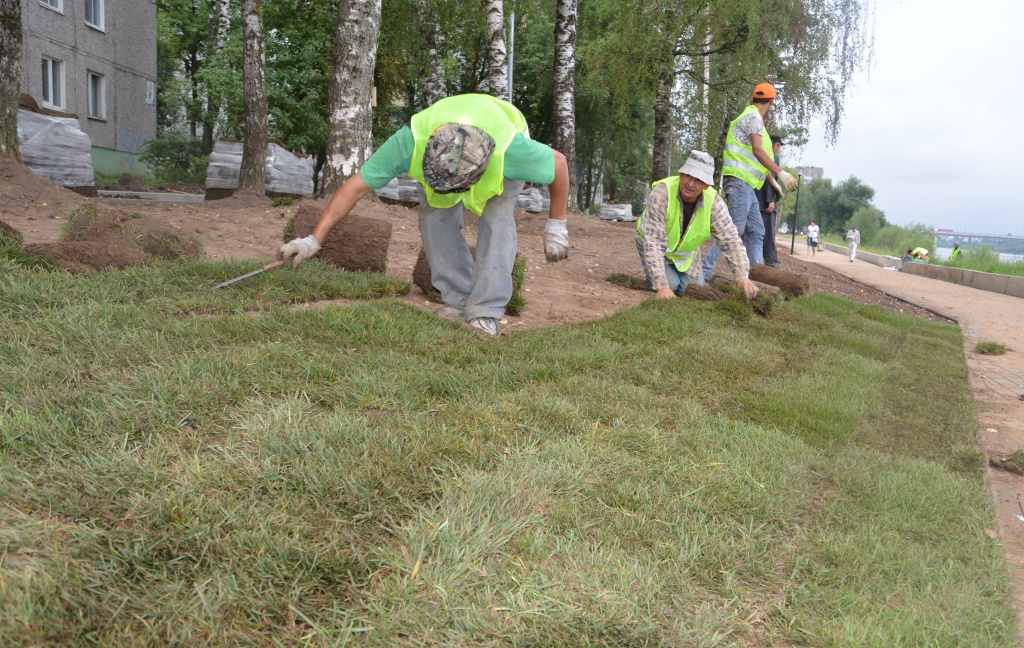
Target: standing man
x=470 y=150
x=955 y=254
x=767 y=197
x=813 y=232
x=682 y=212
x=747 y=160
x=853 y=238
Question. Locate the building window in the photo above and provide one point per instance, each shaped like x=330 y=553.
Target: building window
x=57 y=5
x=94 y=13
x=97 y=96
x=53 y=83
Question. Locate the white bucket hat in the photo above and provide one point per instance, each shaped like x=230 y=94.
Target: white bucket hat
x=700 y=165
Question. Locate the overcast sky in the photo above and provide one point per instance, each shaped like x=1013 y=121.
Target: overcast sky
x=937 y=128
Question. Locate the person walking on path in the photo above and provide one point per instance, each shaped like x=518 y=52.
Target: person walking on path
x=813 y=233
x=747 y=161
x=682 y=212
x=469 y=150
x=767 y=198
x=853 y=238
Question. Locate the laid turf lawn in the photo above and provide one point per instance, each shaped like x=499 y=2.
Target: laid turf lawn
x=181 y=465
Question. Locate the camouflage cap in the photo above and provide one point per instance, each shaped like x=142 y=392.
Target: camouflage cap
x=456 y=157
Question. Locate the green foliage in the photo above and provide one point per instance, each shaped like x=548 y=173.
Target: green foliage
x=517 y=303
x=990 y=348
x=985 y=259
x=173 y=157
x=868 y=221
x=895 y=240
x=282 y=201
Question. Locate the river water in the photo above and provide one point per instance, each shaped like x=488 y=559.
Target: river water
x=942 y=253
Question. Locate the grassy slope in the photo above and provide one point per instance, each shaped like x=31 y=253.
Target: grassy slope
x=171 y=469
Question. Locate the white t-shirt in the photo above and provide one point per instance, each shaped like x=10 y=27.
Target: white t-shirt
x=812 y=232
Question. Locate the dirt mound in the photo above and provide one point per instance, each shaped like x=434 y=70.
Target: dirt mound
x=98 y=237
x=9 y=237
x=23 y=191
x=238 y=199
x=423 y=279
x=356 y=243
x=790 y=283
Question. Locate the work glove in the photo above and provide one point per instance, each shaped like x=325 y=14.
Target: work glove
x=298 y=250
x=556 y=240
x=787 y=180
x=775 y=187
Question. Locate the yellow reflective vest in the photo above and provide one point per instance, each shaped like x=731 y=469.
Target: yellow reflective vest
x=739 y=160
x=499 y=119
x=681 y=246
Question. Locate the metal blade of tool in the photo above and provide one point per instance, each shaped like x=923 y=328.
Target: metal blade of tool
x=269 y=266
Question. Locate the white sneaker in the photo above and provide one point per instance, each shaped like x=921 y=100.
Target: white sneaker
x=452 y=314
x=486 y=327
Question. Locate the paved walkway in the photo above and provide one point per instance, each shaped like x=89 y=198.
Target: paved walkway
x=997 y=381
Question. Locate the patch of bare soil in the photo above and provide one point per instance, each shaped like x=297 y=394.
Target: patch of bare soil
x=34 y=205
x=131 y=183
x=825 y=280
x=100 y=236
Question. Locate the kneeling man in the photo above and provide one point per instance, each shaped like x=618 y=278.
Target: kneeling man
x=682 y=212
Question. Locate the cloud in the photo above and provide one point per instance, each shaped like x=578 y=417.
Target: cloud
x=935 y=127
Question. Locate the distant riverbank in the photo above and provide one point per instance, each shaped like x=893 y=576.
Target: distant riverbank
x=942 y=254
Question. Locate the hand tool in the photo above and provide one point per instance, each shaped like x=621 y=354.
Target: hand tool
x=269 y=266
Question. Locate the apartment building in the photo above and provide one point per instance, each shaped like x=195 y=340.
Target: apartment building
x=96 y=59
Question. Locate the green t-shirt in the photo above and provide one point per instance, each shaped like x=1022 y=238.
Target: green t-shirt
x=525 y=160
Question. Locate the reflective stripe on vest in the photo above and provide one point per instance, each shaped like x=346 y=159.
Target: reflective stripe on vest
x=681 y=247
x=739 y=160
x=499 y=119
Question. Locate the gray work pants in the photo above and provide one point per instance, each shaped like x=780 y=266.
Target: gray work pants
x=480 y=289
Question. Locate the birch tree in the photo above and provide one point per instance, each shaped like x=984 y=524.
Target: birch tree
x=220 y=21
x=430 y=81
x=662 y=123
x=254 y=153
x=350 y=117
x=497 y=55
x=564 y=90
x=10 y=77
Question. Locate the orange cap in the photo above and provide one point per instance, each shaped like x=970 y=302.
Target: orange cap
x=764 y=91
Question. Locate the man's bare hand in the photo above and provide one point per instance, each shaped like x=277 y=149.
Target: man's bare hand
x=666 y=293
x=749 y=288
x=771 y=207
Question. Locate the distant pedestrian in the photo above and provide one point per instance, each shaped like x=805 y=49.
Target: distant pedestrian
x=813 y=234
x=767 y=197
x=955 y=254
x=853 y=238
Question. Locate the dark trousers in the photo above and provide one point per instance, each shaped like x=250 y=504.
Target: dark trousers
x=771 y=253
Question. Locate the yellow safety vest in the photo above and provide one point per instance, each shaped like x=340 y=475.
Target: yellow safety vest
x=499 y=119
x=739 y=160
x=682 y=246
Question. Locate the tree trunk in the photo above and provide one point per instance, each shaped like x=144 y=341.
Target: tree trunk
x=663 y=122
x=220 y=20
x=497 y=55
x=254 y=87
x=564 y=118
x=431 y=86
x=10 y=77
x=350 y=115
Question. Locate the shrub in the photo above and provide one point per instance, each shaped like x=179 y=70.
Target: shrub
x=174 y=157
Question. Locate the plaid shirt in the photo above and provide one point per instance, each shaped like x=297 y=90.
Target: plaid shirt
x=655 y=241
